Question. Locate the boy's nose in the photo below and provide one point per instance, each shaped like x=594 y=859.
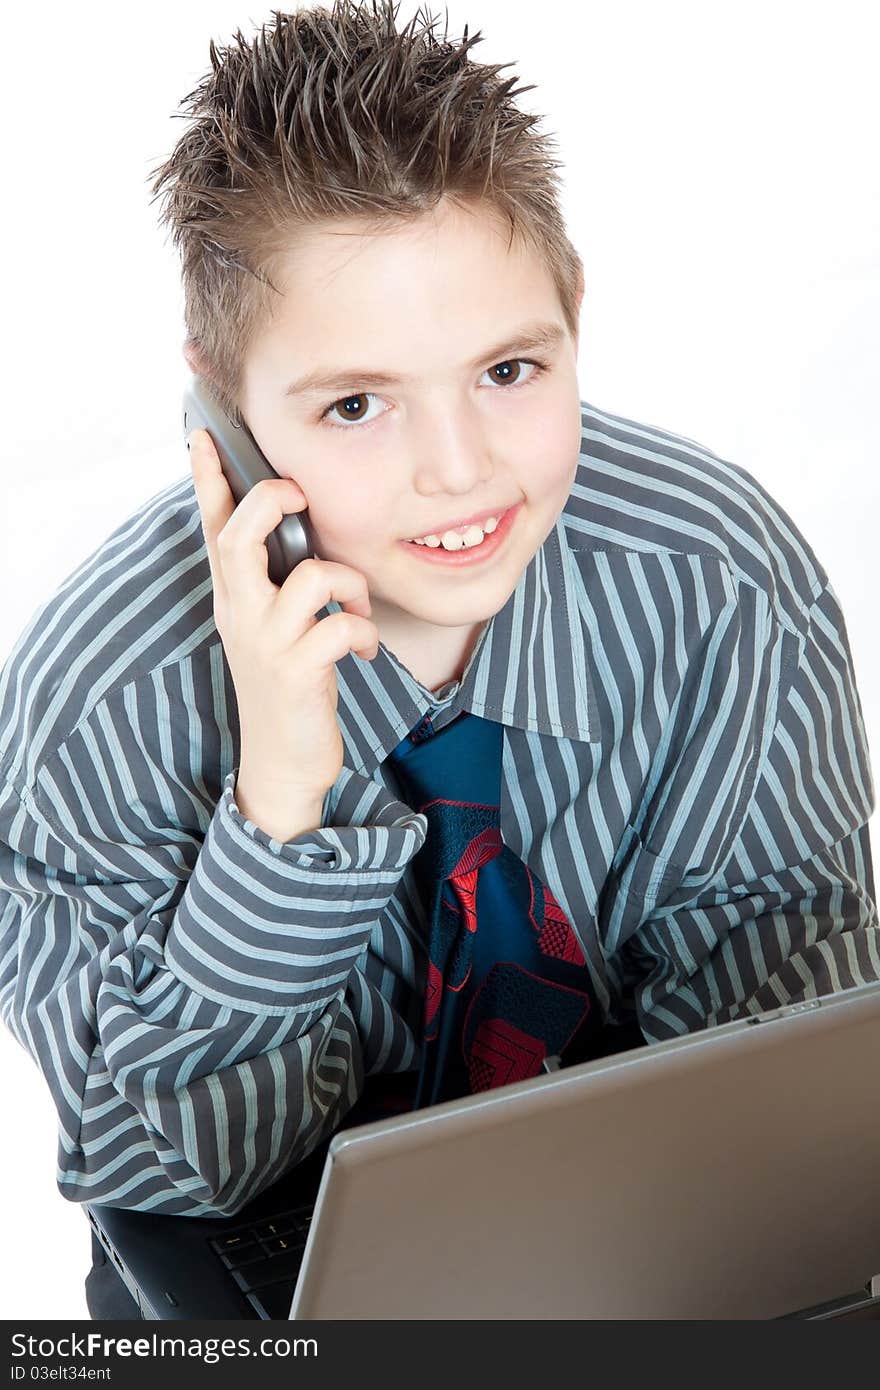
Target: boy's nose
x=456 y=466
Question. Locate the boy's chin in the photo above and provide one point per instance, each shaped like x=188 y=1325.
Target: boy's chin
x=408 y=615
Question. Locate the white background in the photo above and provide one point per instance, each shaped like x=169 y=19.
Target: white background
x=721 y=186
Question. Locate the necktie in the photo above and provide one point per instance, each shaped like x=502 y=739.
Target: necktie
x=507 y=983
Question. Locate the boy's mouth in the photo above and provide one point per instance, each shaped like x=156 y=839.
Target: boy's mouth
x=450 y=532
x=474 y=546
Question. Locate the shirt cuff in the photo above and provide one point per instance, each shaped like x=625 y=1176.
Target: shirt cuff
x=276 y=927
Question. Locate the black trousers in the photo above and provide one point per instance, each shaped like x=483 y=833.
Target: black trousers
x=107 y=1297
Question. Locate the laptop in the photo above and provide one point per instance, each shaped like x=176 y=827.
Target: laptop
x=731 y=1173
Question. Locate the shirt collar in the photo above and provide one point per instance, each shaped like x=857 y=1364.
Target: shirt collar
x=529 y=668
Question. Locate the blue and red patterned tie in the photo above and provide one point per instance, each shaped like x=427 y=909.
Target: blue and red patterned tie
x=507 y=982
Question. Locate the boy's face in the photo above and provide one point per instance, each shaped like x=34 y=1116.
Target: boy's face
x=445 y=441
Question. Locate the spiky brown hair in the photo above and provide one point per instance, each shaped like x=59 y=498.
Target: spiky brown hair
x=331 y=113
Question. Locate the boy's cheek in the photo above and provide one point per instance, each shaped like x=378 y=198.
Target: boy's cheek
x=350 y=545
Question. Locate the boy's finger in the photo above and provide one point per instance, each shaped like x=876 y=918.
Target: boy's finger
x=213 y=495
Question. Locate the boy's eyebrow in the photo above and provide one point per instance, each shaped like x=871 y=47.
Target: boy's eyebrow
x=531 y=335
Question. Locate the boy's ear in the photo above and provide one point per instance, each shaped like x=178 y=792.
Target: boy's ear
x=579 y=293
x=195 y=359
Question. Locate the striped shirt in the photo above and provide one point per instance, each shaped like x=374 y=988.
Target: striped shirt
x=685 y=766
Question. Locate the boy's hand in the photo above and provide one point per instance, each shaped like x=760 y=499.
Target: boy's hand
x=282 y=659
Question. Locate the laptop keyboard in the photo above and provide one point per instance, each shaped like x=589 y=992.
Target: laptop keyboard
x=263 y=1257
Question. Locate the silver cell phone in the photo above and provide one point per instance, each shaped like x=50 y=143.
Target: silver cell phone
x=243 y=465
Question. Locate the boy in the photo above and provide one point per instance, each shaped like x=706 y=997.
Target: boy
x=219 y=937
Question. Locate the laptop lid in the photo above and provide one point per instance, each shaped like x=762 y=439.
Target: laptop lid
x=731 y=1173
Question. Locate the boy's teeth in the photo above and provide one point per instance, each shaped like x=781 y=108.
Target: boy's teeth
x=460 y=540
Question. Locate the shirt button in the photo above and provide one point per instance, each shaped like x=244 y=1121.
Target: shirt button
x=446 y=690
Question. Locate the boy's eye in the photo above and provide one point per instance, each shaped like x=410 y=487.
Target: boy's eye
x=358 y=418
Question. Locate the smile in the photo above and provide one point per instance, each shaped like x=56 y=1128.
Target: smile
x=472 y=546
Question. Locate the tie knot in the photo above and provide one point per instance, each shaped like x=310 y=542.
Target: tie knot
x=458 y=764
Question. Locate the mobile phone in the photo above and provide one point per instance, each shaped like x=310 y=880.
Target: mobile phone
x=243 y=465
